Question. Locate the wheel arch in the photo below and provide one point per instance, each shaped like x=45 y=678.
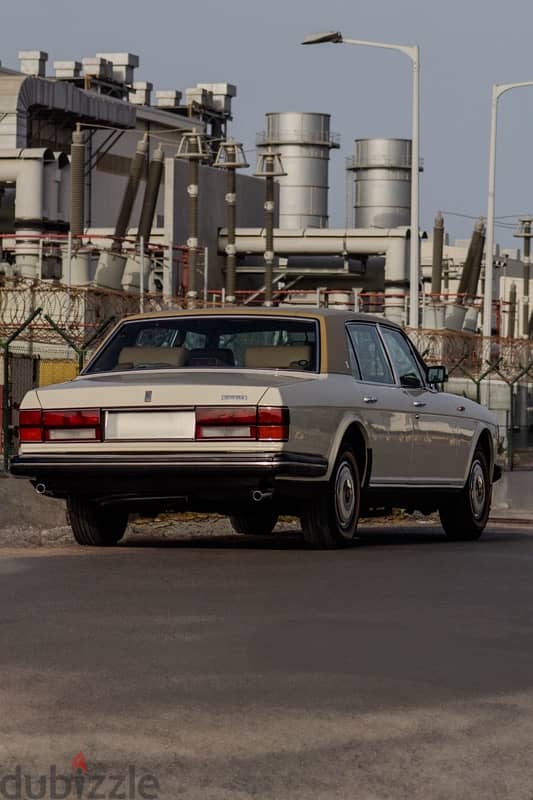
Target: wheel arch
x=354 y=433
x=485 y=442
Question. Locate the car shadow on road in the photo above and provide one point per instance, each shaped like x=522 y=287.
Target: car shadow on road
x=292 y=540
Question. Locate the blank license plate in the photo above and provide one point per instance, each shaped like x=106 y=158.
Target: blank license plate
x=135 y=425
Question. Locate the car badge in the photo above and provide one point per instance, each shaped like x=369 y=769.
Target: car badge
x=148 y=397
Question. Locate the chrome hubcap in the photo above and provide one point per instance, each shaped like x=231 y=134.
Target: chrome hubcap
x=345 y=496
x=478 y=490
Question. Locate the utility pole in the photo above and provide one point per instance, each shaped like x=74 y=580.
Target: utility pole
x=230 y=156
x=269 y=166
x=192 y=148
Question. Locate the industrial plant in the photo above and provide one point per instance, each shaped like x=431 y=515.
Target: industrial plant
x=118 y=196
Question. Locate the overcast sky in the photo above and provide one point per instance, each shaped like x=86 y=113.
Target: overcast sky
x=466 y=46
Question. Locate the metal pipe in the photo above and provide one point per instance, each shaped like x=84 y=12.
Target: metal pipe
x=192 y=241
x=414 y=261
x=269 y=230
x=497 y=91
x=206 y=273
x=436 y=264
x=136 y=170
x=77 y=179
x=69 y=258
x=525 y=289
x=231 y=200
x=512 y=311
x=478 y=244
x=464 y=281
x=141 y=275
x=151 y=192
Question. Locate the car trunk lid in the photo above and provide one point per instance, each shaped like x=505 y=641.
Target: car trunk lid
x=155 y=388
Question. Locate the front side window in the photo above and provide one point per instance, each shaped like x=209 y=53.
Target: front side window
x=402 y=357
x=251 y=342
x=371 y=357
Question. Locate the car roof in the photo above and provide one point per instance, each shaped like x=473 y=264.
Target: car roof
x=291 y=311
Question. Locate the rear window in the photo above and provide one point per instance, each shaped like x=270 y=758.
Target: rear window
x=211 y=342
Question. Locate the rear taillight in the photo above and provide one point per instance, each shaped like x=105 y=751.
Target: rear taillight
x=30 y=426
x=60 y=425
x=242 y=422
x=272 y=423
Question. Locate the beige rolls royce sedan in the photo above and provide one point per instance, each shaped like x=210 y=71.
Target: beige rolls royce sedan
x=254 y=413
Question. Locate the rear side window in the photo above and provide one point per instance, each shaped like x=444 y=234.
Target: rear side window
x=371 y=357
x=402 y=356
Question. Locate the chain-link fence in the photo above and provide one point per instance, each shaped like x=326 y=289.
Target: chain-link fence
x=48 y=329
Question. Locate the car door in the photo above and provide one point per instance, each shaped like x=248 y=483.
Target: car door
x=436 y=452
x=387 y=411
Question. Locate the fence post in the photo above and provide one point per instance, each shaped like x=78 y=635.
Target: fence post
x=80 y=351
x=7 y=407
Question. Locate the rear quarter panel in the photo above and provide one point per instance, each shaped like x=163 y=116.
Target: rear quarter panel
x=321 y=410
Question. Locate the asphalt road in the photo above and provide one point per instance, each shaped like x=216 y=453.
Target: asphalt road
x=240 y=667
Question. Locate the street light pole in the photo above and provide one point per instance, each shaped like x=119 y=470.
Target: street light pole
x=413 y=52
x=497 y=90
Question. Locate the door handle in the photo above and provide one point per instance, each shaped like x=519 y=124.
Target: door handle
x=370 y=399
x=418 y=404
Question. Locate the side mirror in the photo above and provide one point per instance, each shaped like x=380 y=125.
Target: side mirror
x=410 y=381
x=437 y=374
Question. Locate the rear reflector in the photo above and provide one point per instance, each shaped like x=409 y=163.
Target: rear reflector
x=242 y=422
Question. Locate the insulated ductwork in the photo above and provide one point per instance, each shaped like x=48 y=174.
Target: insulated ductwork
x=136 y=170
x=26 y=168
x=436 y=265
x=393 y=244
x=434 y=312
x=150 y=196
x=77 y=189
x=112 y=264
x=456 y=314
x=53 y=179
x=132 y=278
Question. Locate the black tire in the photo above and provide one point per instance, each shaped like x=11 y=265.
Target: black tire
x=254 y=523
x=465 y=516
x=330 y=518
x=93 y=525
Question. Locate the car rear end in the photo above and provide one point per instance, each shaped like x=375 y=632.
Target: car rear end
x=158 y=422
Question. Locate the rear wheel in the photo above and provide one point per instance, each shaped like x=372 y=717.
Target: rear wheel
x=465 y=517
x=93 y=525
x=330 y=518
x=254 y=523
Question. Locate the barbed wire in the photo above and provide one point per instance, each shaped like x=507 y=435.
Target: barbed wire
x=81 y=312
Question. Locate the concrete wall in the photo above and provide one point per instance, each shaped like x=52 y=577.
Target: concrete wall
x=513 y=494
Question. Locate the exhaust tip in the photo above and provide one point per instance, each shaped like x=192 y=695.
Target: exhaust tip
x=40 y=488
x=258 y=495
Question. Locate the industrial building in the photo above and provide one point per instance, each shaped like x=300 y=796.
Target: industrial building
x=110 y=184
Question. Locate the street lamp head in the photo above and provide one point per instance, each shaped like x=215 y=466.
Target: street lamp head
x=320 y=38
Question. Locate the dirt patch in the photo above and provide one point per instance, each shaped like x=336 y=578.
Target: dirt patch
x=22 y=507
